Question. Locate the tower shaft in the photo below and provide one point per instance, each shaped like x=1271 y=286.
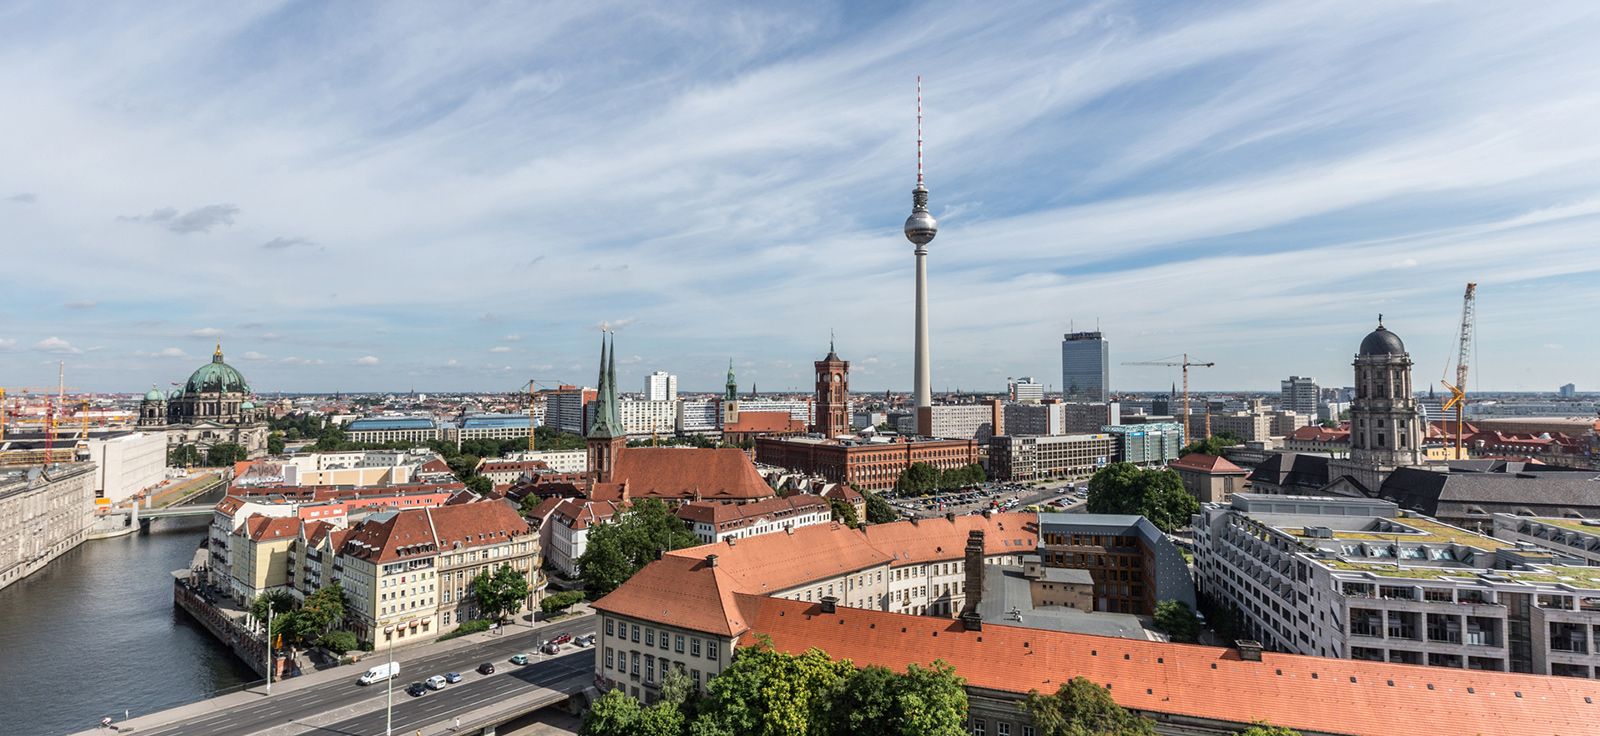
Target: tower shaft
x=924 y=372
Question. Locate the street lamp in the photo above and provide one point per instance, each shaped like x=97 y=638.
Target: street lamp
x=388 y=688
x=270 y=610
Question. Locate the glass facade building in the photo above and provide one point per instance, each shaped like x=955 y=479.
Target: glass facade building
x=1085 y=366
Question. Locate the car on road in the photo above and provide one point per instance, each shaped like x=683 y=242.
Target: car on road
x=415 y=689
x=434 y=683
x=585 y=641
x=519 y=659
x=385 y=671
x=486 y=669
x=564 y=638
x=452 y=677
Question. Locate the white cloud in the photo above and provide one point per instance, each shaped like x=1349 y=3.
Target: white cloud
x=8 y=344
x=511 y=338
x=1406 y=263
x=501 y=349
x=55 y=345
x=364 y=360
x=291 y=360
x=172 y=353
x=207 y=332
x=452 y=363
x=271 y=336
x=253 y=355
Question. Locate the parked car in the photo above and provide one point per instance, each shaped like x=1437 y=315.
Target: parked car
x=519 y=659
x=564 y=638
x=434 y=683
x=452 y=677
x=486 y=669
x=585 y=641
x=415 y=689
x=552 y=648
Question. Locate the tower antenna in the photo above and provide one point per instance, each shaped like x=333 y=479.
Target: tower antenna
x=919 y=130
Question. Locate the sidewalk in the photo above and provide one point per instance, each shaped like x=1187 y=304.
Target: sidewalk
x=311 y=680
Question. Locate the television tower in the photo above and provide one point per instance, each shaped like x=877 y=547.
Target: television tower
x=920 y=229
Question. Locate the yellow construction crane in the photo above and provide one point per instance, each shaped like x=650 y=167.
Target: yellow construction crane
x=29 y=390
x=529 y=392
x=1458 y=390
x=1185 y=364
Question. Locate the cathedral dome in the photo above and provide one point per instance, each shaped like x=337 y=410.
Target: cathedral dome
x=1382 y=342
x=216 y=376
x=154 y=394
x=246 y=405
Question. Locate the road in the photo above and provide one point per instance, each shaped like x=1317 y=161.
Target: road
x=409 y=712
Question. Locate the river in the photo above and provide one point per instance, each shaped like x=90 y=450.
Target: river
x=95 y=633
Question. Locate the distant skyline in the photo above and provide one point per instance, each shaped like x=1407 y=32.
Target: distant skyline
x=366 y=197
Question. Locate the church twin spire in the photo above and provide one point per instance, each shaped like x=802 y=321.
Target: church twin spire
x=607 y=409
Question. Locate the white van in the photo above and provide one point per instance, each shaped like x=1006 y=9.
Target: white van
x=385 y=671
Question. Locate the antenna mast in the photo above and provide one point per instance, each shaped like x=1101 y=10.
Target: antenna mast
x=919 y=130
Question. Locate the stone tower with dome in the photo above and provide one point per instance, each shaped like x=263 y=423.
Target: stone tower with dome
x=1386 y=427
x=214 y=406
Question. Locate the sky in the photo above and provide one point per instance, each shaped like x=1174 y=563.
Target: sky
x=393 y=195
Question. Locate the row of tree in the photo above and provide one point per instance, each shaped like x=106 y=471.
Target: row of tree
x=922 y=479
x=219 y=455
x=313 y=621
x=1213 y=445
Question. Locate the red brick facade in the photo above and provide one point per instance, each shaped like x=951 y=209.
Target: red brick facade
x=868 y=466
x=833 y=396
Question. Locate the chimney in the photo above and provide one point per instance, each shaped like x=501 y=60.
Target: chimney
x=711 y=560
x=661 y=552
x=829 y=604
x=1249 y=650
x=974 y=586
x=950 y=516
x=987 y=513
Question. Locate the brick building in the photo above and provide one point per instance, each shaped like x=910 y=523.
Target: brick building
x=868 y=466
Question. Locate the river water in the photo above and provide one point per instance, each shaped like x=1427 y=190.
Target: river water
x=95 y=633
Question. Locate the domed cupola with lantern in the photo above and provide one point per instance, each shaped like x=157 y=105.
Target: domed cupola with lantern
x=215 y=405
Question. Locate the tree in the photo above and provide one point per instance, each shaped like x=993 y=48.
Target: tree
x=1213 y=445
x=617 y=550
x=277 y=599
x=339 y=641
x=1156 y=494
x=616 y=714
x=557 y=602
x=1178 y=620
x=1327 y=424
x=183 y=456
x=1262 y=728
x=843 y=512
x=275 y=443
x=878 y=510
x=1082 y=708
x=500 y=593
x=325 y=608
x=529 y=503
x=769 y=692
x=331 y=438
x=876 y=701
x=917 y=480
x=226 y=453
x=480 y=484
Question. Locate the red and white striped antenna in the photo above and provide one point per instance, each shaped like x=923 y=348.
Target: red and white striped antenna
x=919 y=130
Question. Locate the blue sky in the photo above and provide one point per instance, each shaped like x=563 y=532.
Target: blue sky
x=374 y=196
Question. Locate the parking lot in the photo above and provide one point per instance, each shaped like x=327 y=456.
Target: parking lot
x=1062 y=496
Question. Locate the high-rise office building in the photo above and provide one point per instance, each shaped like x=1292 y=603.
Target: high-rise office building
x=1299 y=395
x=1025 y=389
x=1569 y=391
x=1085 y=366
x=660 y=386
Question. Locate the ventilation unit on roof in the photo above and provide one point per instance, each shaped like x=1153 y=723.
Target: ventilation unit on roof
x=1319 y=532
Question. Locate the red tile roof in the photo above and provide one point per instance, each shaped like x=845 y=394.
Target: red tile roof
x=768 y=563
x=1314 y=433
x=1321 y=694
x=577 y=513
x=946 y=539
x=669 y=472
x=476 y=524
x=720 y=513
x=679 y=591
x=392 y=536
x=1205 y=464
x=271 y=528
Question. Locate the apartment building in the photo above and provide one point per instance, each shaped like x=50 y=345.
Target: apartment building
x=1147 y=445
x=643 y=418
x=1578 y=538
x=661 y=386
x=493 y=427
x=1025 y=389
x=868 y=465
x=1360 y=579
x=1039 y=458
x=393 y=429
x=1133 y=565
x=714 y=522
x=559 y=461
x=564 y=409
x=262 y=552
x=976 y=422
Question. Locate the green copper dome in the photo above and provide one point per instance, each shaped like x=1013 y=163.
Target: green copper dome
x=216 y=376
x=246 y=405
x=154 y=394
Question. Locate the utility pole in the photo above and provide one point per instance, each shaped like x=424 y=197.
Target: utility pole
x=388 y=708
x=270 y=658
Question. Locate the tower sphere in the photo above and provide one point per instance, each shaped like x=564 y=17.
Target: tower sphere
x=920 y=226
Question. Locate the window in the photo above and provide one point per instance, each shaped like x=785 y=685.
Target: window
x=609 y=665
x=635 y=632
x=1002 y=729
x=1027 y=731
x=663 y=640
x=678 y=644
x=711 y=650
x=977 y=727
x=649 y=668
x=649 y=637
x=635 y=663
x=609 y=623
x=694 y=647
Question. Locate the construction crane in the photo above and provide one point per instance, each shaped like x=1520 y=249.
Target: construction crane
x=25 y=390
x=1186 y=365
x=529 y=392
x=1458 y=390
